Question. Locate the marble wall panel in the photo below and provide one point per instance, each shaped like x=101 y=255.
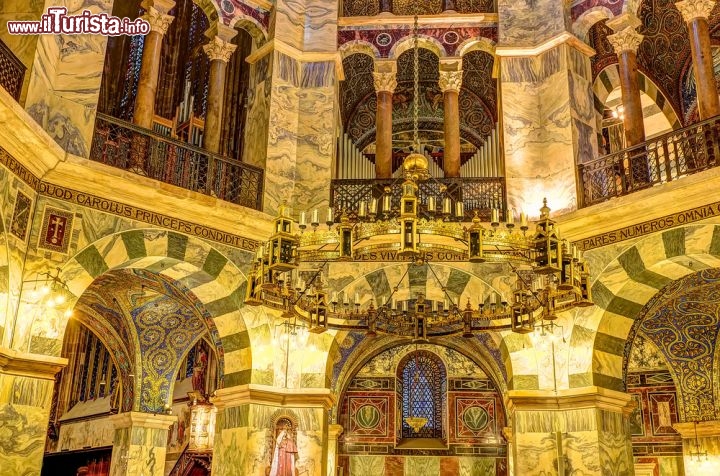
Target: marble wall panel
x=22 y=46
x=65 y=82
x=24 y=413
x=548 y=126
x=85 y=434
x=529 y=22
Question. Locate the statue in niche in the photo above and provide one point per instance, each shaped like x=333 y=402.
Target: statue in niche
x=198 y=377
x=285 y=452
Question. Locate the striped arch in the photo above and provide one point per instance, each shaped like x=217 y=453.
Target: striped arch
x=609 y=79
x=480 y=44
x=424 y=41
x=376 y=285
x=599 y=338
x=359 y=46
x=251 y=25
x=589 y=17
x=191 y=264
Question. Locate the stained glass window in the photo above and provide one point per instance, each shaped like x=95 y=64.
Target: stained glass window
x=423 y=387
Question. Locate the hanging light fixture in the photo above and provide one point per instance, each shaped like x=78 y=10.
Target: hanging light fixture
x=698 y=454
x=413 y=219
x=49 y=292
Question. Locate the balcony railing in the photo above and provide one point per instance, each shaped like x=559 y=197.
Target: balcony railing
x=12 y=72
x=124 y=145
x=667 y=157
x=481 y=194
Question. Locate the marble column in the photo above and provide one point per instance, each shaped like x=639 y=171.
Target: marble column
x=450 y=82
x=156 y=15
x=139 y=445
x=246 y=428
x=581 y=430
x=219 y=50
x=292 y=111
x=696 y=13
x=26 y=392
x=548 y=122
x=334 y=431
x=698 y=438
x=626 y=41
x=385 y=79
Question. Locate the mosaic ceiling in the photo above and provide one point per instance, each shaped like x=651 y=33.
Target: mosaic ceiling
x=352 y=8
x=136 y=312
x=682 y=320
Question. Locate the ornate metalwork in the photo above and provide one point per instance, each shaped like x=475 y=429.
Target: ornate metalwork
x=12 y=72
x=668 y=157
x=481 y=194
x=121 y=144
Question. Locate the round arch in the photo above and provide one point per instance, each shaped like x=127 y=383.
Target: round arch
x=609 y=79
x=359 y=46
x=581 y=26
x=250 y=25
x=424 y=41
x=600 y=336
x=186 y=262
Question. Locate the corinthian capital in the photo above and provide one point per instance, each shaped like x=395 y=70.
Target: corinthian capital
x=625 y=40
x=450 y=81
x=159 y=22
x=385 y=81
x=692 y=9
x=219 y=49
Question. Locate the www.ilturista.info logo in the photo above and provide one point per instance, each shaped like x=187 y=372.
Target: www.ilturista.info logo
x=57 y=22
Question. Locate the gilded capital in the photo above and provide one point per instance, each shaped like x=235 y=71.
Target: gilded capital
x=385 y=81
x=625 y=40
x=450 y=81
x=692 y=9
x=159 y=22
x=219 y=49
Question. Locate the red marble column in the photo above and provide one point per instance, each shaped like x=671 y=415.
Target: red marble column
x=696 y=13
x=450 y=82
x=219 y=50
x=156 y=15
x=626 y=41
x=385 y=84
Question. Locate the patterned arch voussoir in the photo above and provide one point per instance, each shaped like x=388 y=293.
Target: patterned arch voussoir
x=601 y=339
x=190 y=263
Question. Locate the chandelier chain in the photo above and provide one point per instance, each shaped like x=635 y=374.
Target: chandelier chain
x=416 y=86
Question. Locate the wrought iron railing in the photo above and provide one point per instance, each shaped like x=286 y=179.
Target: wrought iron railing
x=127 y=146
x=12 y=72
x=667 y=157
x=482 y=194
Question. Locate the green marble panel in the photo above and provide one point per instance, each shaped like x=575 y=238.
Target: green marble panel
x=92 y=261
x=177 y=244
x=234 y=342
x=134 y=244
x=674 y=241
x=214 y=263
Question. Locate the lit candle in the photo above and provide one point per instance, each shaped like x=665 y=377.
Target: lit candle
x=447 y=206
x=393 y=304
x=493 y=298
x=362 y=212
x=357 y=298
x=334 y=297
x=459 y=209
x=510 y=220
x=303 y=219
x=386 y=203
x=446 y=306
x=373 y=206
x=434 y=306
x=523 y=219
x=346 y=298
x=432 y=206
x=330 y=217
x=495 y=216
x=404 y=306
